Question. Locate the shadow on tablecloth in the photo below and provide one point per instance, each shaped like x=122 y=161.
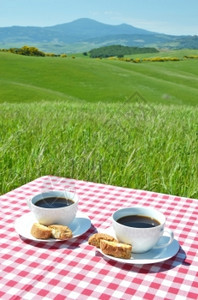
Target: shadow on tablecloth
x=68 y=244
x=175 y=261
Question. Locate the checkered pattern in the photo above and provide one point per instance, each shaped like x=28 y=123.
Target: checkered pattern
x=75 y=270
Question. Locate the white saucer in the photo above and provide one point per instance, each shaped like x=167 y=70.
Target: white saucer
x=24 y=223
x=150 y=257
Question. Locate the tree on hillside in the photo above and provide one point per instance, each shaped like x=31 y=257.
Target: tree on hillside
x=119 y=51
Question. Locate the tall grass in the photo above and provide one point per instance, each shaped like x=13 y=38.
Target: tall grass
x=137 y=145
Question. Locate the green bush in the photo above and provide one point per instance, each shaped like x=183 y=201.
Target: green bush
x=26 y=50
x=119 y=51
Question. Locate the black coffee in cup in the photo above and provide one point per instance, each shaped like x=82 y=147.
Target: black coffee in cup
x=138 y=221
x=54 y=202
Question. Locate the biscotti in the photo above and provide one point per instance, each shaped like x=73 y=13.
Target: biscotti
x=116 y=249
x=60 y=232
x=40 y=231
x=94 y=240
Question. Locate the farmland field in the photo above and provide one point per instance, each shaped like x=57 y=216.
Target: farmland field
x=108 y=121
x=27 y=79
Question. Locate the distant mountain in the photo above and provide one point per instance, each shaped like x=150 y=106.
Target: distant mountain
x=85 y=34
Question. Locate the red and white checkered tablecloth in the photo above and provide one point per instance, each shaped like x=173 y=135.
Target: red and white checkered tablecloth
x=75 y=270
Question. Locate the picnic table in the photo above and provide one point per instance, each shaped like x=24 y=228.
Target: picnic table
x=73 y=269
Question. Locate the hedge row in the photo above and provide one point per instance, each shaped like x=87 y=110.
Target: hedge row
x=31 y=51
x=153 y=59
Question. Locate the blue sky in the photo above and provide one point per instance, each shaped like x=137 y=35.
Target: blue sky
x=165 y=16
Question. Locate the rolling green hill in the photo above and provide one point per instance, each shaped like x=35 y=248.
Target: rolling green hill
x=27 y=79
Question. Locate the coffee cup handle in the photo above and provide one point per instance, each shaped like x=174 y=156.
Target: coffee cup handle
x=167 y=233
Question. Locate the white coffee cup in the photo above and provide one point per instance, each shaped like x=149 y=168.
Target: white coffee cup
x=142 y=239
x=61 y=215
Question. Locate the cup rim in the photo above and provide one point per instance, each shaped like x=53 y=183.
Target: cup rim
x=54 y=192
x=126 y=209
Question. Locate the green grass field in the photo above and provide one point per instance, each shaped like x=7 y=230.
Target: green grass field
x=132 y=125
x=27 y=79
